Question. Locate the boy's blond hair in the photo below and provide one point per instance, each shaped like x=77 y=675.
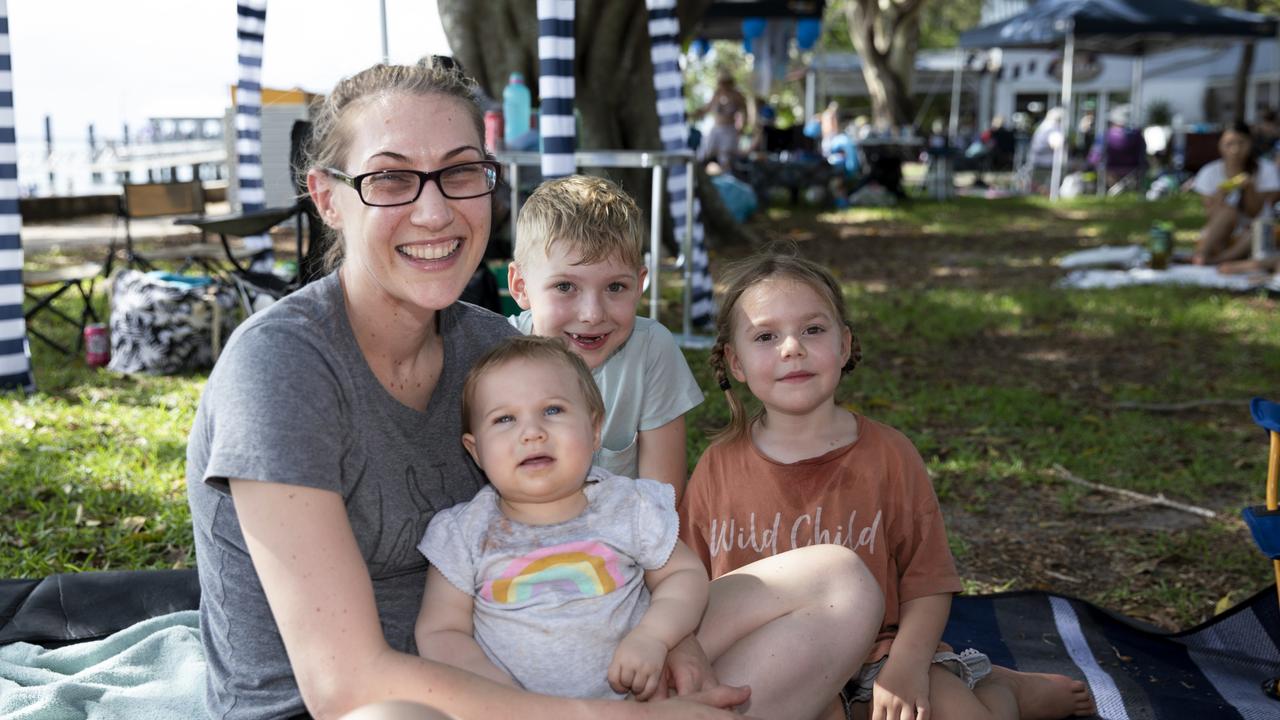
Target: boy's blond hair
x=531 y=347
x=596 y=218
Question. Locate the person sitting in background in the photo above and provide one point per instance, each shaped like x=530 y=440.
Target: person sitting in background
x=1121 y=147
x=1235 y=188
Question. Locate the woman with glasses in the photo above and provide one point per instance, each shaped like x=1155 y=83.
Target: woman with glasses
x=329 y=434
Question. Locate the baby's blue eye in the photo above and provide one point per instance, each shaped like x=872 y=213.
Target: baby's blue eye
x=553 y=410
x=503 y=419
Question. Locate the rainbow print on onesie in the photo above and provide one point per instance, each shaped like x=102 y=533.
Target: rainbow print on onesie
x=585 y=568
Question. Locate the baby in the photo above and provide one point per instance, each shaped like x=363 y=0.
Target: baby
x=559 y=577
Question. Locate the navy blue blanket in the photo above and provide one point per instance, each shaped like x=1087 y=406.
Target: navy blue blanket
x=1212 y=671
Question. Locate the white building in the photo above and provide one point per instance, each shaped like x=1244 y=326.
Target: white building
x=1195 y=80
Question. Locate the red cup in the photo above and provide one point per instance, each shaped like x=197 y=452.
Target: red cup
x=493 y=129
x=97 y=345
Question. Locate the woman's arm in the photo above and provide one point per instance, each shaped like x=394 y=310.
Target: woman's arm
x=445 y=631
x=903 y=683
x=321 y=597
x=661 y=455
x=678 y=596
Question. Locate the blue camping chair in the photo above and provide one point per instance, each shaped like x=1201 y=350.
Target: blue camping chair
x=1264 y=521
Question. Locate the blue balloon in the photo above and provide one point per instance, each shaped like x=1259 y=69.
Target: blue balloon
x=752 y=28
x=808 y=30
x=701 y=46
x=746 y=46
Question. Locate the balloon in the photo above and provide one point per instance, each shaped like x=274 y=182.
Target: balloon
x=808 y=30
x=746 y=46
x=752 y=28
x=701 y=46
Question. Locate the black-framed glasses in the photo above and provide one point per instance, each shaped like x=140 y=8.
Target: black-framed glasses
x=388 y=188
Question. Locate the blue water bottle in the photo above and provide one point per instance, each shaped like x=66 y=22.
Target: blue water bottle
x=516 y=106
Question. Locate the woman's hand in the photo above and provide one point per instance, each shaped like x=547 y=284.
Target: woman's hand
x=637 y=665
x=716 y=702
x=901 y=693
x=688 y=670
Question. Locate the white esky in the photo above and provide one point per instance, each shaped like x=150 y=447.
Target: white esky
x=108 y=62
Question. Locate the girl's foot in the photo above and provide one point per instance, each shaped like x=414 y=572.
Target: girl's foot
x=1042 y=696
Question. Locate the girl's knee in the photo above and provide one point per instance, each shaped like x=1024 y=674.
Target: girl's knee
x=844 y=582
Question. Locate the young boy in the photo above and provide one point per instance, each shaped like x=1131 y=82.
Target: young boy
x=560 y=577
x=578 y=273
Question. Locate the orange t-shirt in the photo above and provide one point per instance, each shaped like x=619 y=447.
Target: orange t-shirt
x=872 y=495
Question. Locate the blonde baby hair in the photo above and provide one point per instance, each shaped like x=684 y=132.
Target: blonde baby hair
x=531 y=347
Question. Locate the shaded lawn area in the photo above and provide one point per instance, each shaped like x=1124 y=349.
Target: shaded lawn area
x=995 y=375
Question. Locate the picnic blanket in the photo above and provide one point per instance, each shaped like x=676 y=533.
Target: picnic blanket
x=1122 y=266
x=153 y=667
x=1214 y=670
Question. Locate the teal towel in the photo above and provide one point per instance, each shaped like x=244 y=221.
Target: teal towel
x=154 y=669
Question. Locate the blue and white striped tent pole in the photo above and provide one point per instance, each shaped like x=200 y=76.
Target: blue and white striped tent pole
x=15 y=352
x=664 y=30
x=556 y=87
x=251 y=25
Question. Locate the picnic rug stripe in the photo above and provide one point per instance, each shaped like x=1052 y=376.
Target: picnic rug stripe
x=15 y=351
x=1214 y=670
x=556 y=125
x=664 y=29
x=251 y=28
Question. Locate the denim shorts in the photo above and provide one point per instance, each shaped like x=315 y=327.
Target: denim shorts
x=970 y=666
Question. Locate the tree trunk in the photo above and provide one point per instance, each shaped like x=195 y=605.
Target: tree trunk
x=1242 y=71
x=886 y=34
x=1242 y=81
x=613 y=73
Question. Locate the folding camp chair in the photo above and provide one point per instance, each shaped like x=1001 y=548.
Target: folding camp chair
x=182 y=200
x=81 y=277
x=311 y=239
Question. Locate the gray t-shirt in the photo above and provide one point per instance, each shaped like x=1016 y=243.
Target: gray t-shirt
x=552 y=602
x=292 y=400
x=645 y=384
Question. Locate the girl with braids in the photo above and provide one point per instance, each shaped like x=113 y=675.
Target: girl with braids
x=804 y=471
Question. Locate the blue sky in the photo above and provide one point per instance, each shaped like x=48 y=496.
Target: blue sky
x=111 y=61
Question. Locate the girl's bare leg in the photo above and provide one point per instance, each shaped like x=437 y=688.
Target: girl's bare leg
x=1215 y=237
x=396 y=710
x=794 y=627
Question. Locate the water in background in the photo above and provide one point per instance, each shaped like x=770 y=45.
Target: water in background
x=166 y=149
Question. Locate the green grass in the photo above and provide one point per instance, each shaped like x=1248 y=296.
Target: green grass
x=995 y=382
x=92 y=467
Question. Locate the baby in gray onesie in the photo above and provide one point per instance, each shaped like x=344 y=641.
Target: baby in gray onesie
x=559 y=577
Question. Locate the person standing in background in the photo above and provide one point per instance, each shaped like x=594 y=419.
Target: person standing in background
x=728 y=109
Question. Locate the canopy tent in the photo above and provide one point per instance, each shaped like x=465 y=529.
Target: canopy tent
x=1116 y=27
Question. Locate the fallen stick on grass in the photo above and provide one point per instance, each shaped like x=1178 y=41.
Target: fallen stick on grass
x=1159 y=499
x=1177 y=406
